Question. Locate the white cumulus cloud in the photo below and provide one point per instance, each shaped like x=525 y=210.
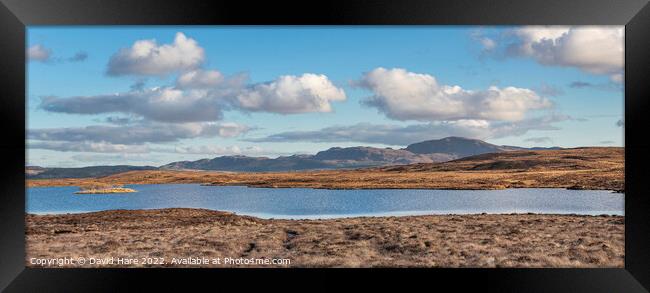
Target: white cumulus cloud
x=404 y=95
x=204 y=95
x=290 y=94
x=147 y=57
x=593 y=49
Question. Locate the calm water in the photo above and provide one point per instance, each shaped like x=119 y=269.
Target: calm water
x=301 y=203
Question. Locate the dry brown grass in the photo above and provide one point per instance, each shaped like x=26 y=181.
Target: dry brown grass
x=523 y=240
x=581 y=168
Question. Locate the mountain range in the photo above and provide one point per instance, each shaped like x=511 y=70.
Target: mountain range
x=430 y=151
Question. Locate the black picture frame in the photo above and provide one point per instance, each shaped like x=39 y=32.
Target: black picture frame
x=15 y=15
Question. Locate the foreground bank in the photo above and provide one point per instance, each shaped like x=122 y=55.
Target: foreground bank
x=524 y=240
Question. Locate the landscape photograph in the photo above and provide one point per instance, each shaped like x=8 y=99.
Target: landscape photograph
x=325 y=146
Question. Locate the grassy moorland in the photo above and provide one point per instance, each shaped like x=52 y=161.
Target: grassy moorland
x=522 y=240
x=579 y=168
x=485 y=240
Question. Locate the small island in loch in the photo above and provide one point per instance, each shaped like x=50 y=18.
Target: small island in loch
x=102 y=188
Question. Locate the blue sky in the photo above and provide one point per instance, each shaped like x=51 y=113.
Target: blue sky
x=283 y=90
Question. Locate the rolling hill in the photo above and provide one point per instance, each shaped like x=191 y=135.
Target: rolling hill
x=579 y=168
x=431 y=151
x=36 y=172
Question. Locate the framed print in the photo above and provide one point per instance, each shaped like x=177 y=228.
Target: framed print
x=494 y=141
